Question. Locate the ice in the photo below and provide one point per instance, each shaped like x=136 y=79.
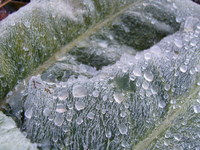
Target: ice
x=183 y=68
x=59 y=119
x=137 y=72
x=190 y=24
x=46 y=112
x=104 y=95
x=90 y=115
x=29 y=113
x=145 y=85
x=79 y=91
x=119 y=97
x=63 y=95
x=41 y=30
x=80 y=105
x=148 y=76
x=162 y=104
x=79 y=120
x=178 y=42
x=11 y=136
x=61 y=108
x=125 y=144
x=183 y=132
x=196 y=109
x=123 y=129
x=108 y=134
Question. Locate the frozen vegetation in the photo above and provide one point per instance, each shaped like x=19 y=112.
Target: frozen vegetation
x=130 y=83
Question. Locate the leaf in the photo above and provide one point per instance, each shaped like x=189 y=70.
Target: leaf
x=30 y=36
x=11 y=137
x=129 y=82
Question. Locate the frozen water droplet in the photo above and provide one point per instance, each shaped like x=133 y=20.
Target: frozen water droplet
x=90 y=115
x=194 y=42
x=108 y=134
x=198 y=26
x=79 y=120
x=25 y=48
x=177 y=137
x=119 y=97
x=153 y=91
x=123 y=114
x=12 y=23
x=197 y=68
x=103 y=111
x=137 y=72
x=79 y=105
x=196 y=109
x=132 y=77
x=70 y=106
x=148 y=76
x=183 y=68
x=123 y=129
x=63 y=95
x=162 y=104
x=156 y=50
x=59 y=119
x=174 y=6
x=55 y=138
x=190 y=24
x=167 y=87
x=105 y=98
x=145 y=85
x=147 y=56
x=79 y=91
x=1 y=75
x=46 y=112
x=95 y=93
x=61 y=108
x=69 y=117
x=29 y=113
x=103 y=44
x=50 y=117
x=166 y=143
x=125 y=144
x=178 y=43
x=27 y=24
x=192 y=71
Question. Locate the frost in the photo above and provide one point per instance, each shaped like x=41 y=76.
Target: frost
x=123 y=86
x=11 y=137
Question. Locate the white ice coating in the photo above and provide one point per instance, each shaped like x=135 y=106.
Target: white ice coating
x=132 y=94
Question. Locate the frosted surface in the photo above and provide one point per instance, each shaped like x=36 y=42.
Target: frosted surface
x=115 y=87
x=11 y=137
